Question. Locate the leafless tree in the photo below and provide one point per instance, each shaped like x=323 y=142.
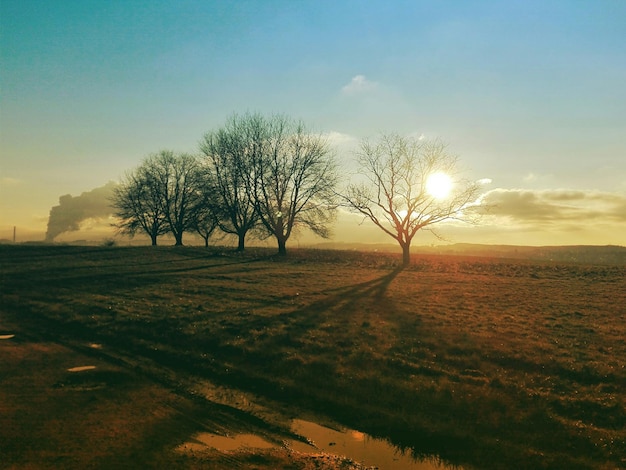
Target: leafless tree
x=227 y=167
x=138 y=205
x=293 y=177
x=205 y=213
x=395 y=194
x=205 y=225
x=272 y=176
x=177 y=177
x=159 y=197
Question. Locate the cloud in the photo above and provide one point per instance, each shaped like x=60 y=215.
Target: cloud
x=555 y=207
x=72 y=211
x=9 y=182
x=340 y=139
x=417 y=135
x=343 y=144
x=359 y=84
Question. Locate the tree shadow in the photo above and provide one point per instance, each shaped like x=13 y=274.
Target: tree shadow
x=70 y=273
x=339 y=300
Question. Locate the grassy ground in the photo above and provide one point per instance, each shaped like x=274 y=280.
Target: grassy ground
x=487 y=363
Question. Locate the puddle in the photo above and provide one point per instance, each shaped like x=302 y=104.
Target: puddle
x=360 y=447
x=352 y=444
x=349 y=443
x=89 y=378
x=203 y=440
x=81 y=368
x=95 y=345
x=6 y=336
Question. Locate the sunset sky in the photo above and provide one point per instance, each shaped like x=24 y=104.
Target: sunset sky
x=529 y=94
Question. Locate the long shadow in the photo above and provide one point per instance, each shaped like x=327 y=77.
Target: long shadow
x=342 y=299
x=108 y=278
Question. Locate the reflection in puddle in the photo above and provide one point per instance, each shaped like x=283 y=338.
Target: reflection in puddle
x=81 y=368
x=203 y=440
x=352 y=444
x=359 y=447
x=355 y=445
x=6 y=336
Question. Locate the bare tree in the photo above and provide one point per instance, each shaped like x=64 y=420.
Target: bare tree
x=205 y=212
x=271 y=174
x=205 y=225
x=159 y=197
x=396 y=196
x=228 y=166
x=293 y=177
x=138 y=205
x=177 y=177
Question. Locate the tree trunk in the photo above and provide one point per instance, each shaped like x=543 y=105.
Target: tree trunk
x=406 y=254
x=282 y=246
x=206 y=242
x=242 y=241
x=179 y=239
x=153 y=238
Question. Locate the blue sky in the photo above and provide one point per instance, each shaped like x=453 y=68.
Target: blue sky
x=529 y=94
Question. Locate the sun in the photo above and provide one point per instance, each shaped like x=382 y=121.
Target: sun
x=439 y=185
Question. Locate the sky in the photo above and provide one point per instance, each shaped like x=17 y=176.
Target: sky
x=528 y=94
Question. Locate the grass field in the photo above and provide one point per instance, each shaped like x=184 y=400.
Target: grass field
x=488 y=363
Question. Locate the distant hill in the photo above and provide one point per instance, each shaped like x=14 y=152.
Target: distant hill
x=586 y=254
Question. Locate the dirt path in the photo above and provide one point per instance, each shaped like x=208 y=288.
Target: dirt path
x=65 y=405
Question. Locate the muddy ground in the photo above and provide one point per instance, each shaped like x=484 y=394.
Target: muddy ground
x=73 y=404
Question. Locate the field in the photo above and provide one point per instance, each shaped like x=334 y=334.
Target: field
x=483 y=362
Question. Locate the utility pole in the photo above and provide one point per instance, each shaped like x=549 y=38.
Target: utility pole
x=14 y=233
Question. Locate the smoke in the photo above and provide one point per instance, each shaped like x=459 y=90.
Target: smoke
x=71 y=211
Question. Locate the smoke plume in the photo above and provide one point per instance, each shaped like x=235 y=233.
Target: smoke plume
x=71 y=211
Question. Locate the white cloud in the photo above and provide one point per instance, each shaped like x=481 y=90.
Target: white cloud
x=344 y=145
x=420 y=136
x=358 y=84
x=340 y=139
x=9 y=182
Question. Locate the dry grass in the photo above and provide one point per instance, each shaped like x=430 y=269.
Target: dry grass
x=482 y=361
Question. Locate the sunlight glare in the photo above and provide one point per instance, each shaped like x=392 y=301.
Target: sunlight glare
x=439 y=185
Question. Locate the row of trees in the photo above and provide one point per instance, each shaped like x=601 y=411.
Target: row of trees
x=270 y=176
x=165 y=194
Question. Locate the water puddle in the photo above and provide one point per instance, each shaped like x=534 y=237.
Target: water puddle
x=225 y=443
x=80 y=368
x=6 y=336
x=95 y=345
x=360 y=447
x=355 y=445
